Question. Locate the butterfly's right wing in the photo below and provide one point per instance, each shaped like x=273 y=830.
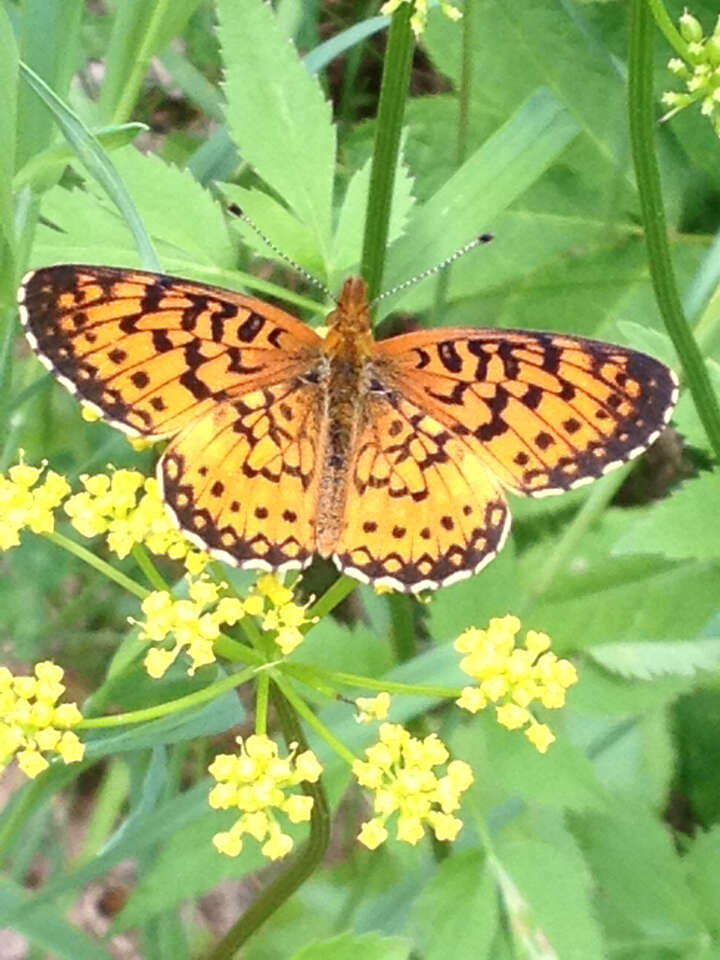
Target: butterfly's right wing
x=150 y=352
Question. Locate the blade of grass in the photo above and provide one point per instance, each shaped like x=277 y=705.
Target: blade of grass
x=97 y=163
x=642 y=139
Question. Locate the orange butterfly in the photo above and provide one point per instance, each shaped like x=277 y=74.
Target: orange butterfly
x=390 y=457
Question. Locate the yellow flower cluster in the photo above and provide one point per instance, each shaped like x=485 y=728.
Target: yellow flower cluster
x=372 y=708
x=418 y=19
x=273 y=602
x=514 y=677
x=31 y=723
x=24 y=503
x=399 y=770
x=256 y=782
x=194 y=623
x=126 y=507
x=700 y=71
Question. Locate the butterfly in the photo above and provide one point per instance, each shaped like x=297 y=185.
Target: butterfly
x=391 y=457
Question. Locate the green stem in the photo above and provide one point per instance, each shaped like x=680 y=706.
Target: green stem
x=308 y=675
x=642 y=137
x=171 y=706
x=302 y=866
x=142 y=558
x=668 y=28
x=102 y=566
x=261 y=703
x=304 y=711
x=393 y=92
x=402 y=626
x=333 y=596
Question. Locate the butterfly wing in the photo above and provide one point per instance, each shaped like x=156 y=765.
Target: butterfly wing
x=151 y=353
x=422 y=509
x=546 y=413
x=242 y=480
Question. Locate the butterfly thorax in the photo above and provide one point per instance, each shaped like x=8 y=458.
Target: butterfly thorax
x=348 y=349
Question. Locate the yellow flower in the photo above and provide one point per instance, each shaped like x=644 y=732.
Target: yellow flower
x=31 y=722
x=195 y=624
x=274 y=602
x=700 y=70
x=256 y=781
x=126 y=506
x=399 y=771
x=24 y=504
x=418 y=19
x=372 y=708
x=513 y=677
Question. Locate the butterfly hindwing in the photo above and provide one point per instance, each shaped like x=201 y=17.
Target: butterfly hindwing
x=422 y=508
x=242 y=480
x=151 y=352
x=546 y=412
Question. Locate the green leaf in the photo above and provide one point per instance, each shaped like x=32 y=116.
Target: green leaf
x=547 y=893
x=45 y=927
x=678 y=526
x=278 y=117
x=349 y=946
x=489 y=180
x=641 y=893
x=456 y=915
x=645 y=660
x=702 y=869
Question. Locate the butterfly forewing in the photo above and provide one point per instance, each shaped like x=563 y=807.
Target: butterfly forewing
x=150 y=352
x=545 y=412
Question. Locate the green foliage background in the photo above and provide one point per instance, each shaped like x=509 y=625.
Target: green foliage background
x=609 y=845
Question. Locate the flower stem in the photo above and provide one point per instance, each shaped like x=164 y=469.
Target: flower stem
x=391 y=109
x=102 y=566
x=642 y=138
x=261 y=703
x=300 y=867
x=210 y=692
x=333 y=596
x=304 y=711
x=155 y=578
x=668 y=28
x=309 y=675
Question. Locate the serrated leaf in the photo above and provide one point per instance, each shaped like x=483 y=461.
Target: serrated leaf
x=683 y=526
x=645 y=660
x=456 y=914
x=279 y=117
x=349 y=946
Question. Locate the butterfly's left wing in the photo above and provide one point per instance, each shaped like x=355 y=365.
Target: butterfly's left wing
x=545 y=412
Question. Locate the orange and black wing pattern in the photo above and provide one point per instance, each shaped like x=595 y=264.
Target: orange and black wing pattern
x=545 y=412
x=422 y=509
x=242 y=480
x=151 y=352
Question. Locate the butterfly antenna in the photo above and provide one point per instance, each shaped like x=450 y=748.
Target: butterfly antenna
x=238 y=212
x=478 y=241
